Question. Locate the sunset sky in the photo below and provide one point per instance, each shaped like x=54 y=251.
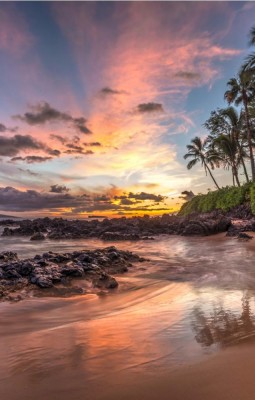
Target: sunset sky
x=99 y=100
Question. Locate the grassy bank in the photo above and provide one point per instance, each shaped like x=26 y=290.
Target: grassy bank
x=223 y=199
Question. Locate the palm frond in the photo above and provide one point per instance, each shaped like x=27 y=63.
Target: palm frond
x=249 y=62
x=188 y=155
x=192 y=163
x=251 y=41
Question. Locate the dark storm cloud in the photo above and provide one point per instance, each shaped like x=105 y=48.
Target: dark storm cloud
x=60 y=138
x=4 y=128
x=149 y=108
x=144 y=208
x=44 y=112
x=15 y=200
x=126 y=202
x=80 y=124
x=146 y=196
x=74 y=147
x=57 y=198
x=92 y=144
x=59 y=189
x=102 y=197
x=78 y=150
x=11 y=146
x=31 y=159
x=76 y=139
x=190 y=76
x=142 y=196
x=107 y=91
x=31 y=200
x=54 y=152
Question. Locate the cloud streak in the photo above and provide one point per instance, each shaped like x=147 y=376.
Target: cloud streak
x=31 y=159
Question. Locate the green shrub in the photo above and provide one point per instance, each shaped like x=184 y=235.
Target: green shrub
x=222 y=199
x=252 y=198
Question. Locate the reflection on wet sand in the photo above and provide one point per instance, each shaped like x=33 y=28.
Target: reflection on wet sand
x=224 y=326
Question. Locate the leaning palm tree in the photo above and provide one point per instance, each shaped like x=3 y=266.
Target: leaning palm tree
x=197 y=153
x=241 y=90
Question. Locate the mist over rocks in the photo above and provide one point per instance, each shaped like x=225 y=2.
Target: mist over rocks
x=55 y=272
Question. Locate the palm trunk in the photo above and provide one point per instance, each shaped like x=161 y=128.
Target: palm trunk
x=237 y=180
x=211 y=175
x=245 y=170
x=249 y=137
x=233 y=178
x=235 y=173
x=242 y=161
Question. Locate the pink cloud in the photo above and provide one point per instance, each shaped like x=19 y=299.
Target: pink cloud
x=155 y=56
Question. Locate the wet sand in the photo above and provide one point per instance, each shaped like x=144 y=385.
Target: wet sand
x=182 y=327
x=228 y=375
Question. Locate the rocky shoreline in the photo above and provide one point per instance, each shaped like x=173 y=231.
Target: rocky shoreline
x=233 y=222
x=137 y=228
x=55 y=272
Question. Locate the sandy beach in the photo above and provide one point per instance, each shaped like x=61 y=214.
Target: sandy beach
x=228 y=375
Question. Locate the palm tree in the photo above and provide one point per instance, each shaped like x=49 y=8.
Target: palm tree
x=227 y=122
x=252 y=37
x=196 y=151
x=241 y=91
x=235 y=122
x=228 y=153
x=250 y=59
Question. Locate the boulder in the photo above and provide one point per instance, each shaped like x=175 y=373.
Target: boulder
x=206 y=227
x=38 y=236
x=44 y=282
x=244 y=236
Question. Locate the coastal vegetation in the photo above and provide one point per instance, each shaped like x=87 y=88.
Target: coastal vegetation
x=230 y=141
x=222 y=199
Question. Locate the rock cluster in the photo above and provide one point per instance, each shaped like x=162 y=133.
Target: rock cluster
x=51 y=270
x=119 y=229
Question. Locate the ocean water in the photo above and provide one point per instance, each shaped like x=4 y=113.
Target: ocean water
x=193 y=298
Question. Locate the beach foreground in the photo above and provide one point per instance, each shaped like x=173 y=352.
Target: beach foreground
x=226 y=376
x=179 y=326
